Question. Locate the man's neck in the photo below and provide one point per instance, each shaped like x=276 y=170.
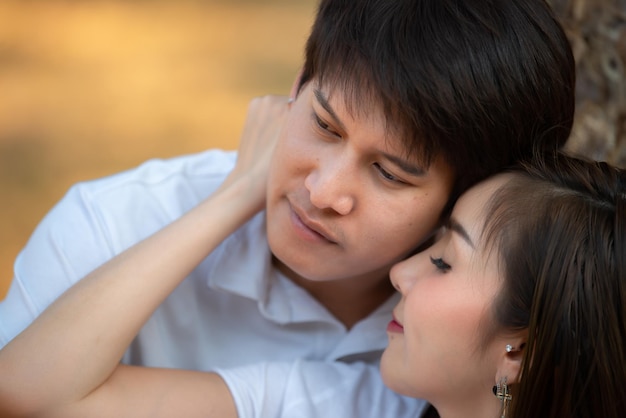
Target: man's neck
x=349 y=300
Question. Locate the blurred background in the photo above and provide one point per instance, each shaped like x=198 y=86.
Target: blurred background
x=92 y=87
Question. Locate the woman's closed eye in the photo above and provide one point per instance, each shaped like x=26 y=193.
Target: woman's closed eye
x=440 y=264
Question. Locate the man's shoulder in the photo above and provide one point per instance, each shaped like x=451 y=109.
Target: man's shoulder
x=128 y=206
x=209 y=164
x=182 y=180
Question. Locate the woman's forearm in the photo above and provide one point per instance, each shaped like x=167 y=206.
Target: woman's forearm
x=143 y=392
x=89 y=327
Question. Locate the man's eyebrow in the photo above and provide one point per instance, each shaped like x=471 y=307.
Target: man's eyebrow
x=405 y=165
x=323 y=101
x=455 y=226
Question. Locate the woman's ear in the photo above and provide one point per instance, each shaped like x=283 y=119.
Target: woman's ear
x=510 y=362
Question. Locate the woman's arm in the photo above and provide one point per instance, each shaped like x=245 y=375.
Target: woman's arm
x=67 y=360
x=144 y=392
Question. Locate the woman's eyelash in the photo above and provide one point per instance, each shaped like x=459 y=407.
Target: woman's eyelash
x=440 y=264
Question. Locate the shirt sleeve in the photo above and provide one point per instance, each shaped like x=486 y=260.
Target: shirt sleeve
x=65 y=246
x=306 y=389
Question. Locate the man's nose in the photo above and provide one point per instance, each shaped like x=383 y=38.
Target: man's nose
x=332 y=185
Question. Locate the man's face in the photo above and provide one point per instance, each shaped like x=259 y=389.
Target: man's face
x=343 y=200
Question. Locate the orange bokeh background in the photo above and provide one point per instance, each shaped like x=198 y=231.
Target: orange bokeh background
x=89 y=88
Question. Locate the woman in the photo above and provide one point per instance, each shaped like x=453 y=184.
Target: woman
x=526 y=291
x=518 y=310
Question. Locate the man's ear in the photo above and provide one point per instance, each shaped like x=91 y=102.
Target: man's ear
x=510 y=362
x=295 y=86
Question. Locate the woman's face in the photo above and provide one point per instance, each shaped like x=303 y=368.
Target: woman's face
x=436 y=349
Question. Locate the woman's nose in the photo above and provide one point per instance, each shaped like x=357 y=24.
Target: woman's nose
x=403 y=274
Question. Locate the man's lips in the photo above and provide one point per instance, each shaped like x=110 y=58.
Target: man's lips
x=313 y=225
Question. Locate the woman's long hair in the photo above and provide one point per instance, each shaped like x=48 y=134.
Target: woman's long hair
x=559 y=228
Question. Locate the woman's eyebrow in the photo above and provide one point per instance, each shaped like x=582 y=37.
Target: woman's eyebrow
x=455 y=226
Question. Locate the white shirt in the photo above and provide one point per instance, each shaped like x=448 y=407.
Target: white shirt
x=316 y=390
x=233 y=309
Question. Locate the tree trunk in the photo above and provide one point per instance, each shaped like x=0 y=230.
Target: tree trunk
x=597 y=32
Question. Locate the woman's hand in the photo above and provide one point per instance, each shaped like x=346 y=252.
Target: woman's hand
x=264 y=122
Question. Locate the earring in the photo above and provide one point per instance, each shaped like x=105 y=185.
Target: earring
x=501 y=390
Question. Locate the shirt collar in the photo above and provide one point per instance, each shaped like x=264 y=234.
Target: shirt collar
x=242 y=265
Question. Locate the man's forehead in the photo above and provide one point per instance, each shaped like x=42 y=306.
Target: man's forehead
x=367 y=107
x=356 y=107
x=355 y=99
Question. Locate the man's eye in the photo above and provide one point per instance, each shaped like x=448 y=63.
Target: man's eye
x=440 y=264
x=325 y=126
x=321 y=123
x=386 y=174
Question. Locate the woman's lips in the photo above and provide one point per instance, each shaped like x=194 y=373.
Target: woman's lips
x=394 y=326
